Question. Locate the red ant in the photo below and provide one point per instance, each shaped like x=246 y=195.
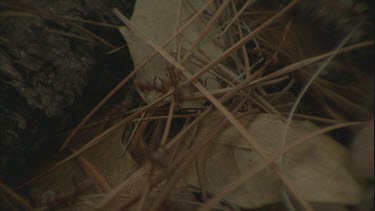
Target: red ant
x=164 y=85
x=120 y=108
x=268 y=55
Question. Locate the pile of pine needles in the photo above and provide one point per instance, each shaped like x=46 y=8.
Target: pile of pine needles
x=273 y=62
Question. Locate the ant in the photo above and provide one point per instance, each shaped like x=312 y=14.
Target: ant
x=165 y=85
x=268 y=55
x=120 y=108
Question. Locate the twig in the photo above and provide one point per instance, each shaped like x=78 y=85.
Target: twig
x=15 y=196
x=191 y=155
x=242 y=42
x=128 y=78
x=57 y=17
x=300 y=64
x=248 y=2
x=97 y=139
x=250 y=173
x=169 y=122
x=302 y=93
x=243 y=131
x=245 y=55
x=91 y=171
x=207 y=29
x=314 y=118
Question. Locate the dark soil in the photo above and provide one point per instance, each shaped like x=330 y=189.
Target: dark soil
x=49 y=79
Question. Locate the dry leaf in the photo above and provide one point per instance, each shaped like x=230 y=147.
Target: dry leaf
x=362 y=156
x=109 y=160
x=160 y=20
x=180 y=199
x=316 y=168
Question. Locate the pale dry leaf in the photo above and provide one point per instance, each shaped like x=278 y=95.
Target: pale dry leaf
x=110 y=159
x=159 y=21
x=316 y=168
x=128 y=189
x=362 y=156
x=135 y=185
x=316 y=206
x=107 y=157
